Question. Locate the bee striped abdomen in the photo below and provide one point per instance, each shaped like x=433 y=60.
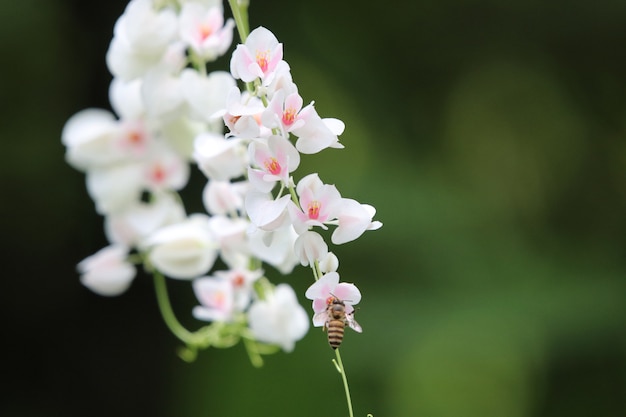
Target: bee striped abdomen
x=335 y=333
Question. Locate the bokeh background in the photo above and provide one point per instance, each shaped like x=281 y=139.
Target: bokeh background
x=491 y=137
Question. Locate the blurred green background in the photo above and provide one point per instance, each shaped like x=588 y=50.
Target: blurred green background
x=490 y=136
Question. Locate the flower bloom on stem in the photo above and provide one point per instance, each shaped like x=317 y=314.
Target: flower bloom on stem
x=141 y=37
x=326 y=288
x=318 y=203
x=203 y=29
x=183 y=250
x=257 y=57
x=310 y=247
x=275 y=159
x=279 y=319
x=171 y=113
x=107 y=272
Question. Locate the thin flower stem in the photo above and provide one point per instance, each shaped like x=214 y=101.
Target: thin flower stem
x=342 y=371
x=317 y=272
x=167 y=312
x=239 y=9
x=294 y=196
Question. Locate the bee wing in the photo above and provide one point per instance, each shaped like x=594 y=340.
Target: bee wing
x=352 y=323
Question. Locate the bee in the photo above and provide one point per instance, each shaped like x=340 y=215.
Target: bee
x=336 y=320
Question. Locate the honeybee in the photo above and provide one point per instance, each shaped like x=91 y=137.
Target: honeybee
x=336 y=320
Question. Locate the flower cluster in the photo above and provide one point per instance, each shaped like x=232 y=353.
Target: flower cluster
x=170 y=114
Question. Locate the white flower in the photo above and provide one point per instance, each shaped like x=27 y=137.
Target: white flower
x=310 y=247
x=329 y=263
x=319 y=204
x=164 y=169
x=316 y=133
x=279 y=319
x=125 y=98
x=206 y=95
x=258 y=57
x=230 y=235
x=219 y=158
x=141 y=37
x=242 y=115
x=275 y=248
x=183 y=250
x=275 y=158
x=216 y=298
x=131 y=225
x=162 y=94
x=115 y=188
x=107 y=272
x=282 y=112
x=203 y=29
x=354 y=219
x=224 y=197
x=242 y=281
x=265 y=212
x=325 y=289
x=90 y=138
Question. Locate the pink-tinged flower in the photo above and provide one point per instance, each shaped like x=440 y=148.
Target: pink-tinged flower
x=283 y=112
x=243 y=115
x=203 y=29
x=241 y=281
x=164 y=169
x=316 y=134
x=266 y=213
x=217 y=300
x=353 y=219
x=318 y=203
x=325 y=289
x=218 y=158
x=183 y=250
x=133 y=139
x=281 y=81
x=310 y=247
x=275 y=159
x=278 y=319
x=224 y=197
x=107 y=272
x=258 y=57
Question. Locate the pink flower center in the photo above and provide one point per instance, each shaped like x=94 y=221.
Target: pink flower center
x=135 y=137
x=261 y=59
x=158 y=173
x=314 y=209
x=205 y=32
x=272 y=166
x=219 y=299
x=238 y=281
x=330 y=300
x=289 y=115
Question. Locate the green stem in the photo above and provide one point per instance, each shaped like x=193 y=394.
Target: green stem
x=294 y=196
x=342 y=371
x=239 y=9
x=167 y=312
